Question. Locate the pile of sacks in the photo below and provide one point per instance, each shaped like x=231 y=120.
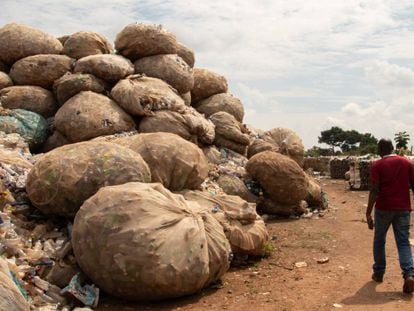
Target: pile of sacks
x=141 y=151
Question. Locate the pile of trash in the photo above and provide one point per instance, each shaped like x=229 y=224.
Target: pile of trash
x=111 y=154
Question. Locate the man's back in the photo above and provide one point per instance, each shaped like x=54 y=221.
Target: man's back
x=393 y=175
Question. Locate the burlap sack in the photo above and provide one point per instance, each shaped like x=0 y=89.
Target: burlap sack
x=260 y=145
x=206 y=84
x=18 y=41
x=54 y=141
x=63 y=39
x=29 y=125
x=268 y=206
x=85 y=43
x=4 y=67
x=189 y=125
x=221 y=102
x=289 y=143
x=212 y=154
x=11 y=299
x=141 y=242
x=107 y=67
x=139 y=40
x=5 y=80
x=282 y=178
x=314 y=196
x=229 y=132
x=186 y=54
x=173 y=161
x=243 y=227
x=140 y=95
x=88 y=115
x=41 y=70
x=168 y=67
x=71 y=84
x=33 y=98
x=233 y=185
x=65 y=177
x=187 y=98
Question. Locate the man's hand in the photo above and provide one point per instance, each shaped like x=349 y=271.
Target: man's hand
x=370 y=222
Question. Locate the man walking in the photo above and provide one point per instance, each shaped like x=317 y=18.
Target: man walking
x=391 y=179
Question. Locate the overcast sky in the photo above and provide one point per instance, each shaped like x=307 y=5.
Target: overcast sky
x=306 y=65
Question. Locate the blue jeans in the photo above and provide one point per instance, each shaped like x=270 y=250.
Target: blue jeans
x=400 y=221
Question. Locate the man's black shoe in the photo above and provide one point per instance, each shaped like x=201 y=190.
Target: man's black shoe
x=378 y=277
x=408 y=287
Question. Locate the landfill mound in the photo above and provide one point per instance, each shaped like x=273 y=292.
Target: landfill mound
x=95 y=141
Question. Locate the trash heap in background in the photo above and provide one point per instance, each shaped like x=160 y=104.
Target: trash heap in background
x=138 y=151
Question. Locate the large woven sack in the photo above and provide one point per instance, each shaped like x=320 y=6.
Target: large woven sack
x=139 y=40
x=41 y=70
x=189 y=125
x=88 y=115
x=169 y=67
x=243 y=227
x=221 y=102
x=31 y=126
x=260 y=145
x=141 y=242
x=54 y=141
x=108 y=67
x=187 y=98
x=62 y=179
x=314 y=196
x=11 y=299
x=33 y=98
x=186 y=54
x=140 y=95
x=233 y=185
x=173 y=161
x=212 y=154
x=18 y=41
x=5 y=80
x=282 y=178
x=63 y=39
x=71 y=84
x=289 y=143
x=85 y=43
x=229 y=132
x=206 y=84
x=268 y=206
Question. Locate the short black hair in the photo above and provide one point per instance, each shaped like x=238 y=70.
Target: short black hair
x=385 y=147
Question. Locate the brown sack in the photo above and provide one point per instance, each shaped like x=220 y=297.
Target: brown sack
x=71 y=84
x=139 y=40
x=141 y=242
x=62 y=179
x=233 y=185
x=229 y=132
x=140 y=95
x=221 y=102
x=206 y=84
x=243 y=227
x=189 y=125
x=314 y=197
x=282 y=178
x=269 y=206
x=85 y=43
x=186 y=54
x=19 y=41
x=5 y=80
x=168 y=67
x=40 y=70
x=187 y=98
x=11 y=299
x=260 y=145
x=63 y=39
x=108 y=67
x=173 y=161
x=54 y=141
x=289 y=143
x=88 y=115
x=212 y=154
x=33 y=98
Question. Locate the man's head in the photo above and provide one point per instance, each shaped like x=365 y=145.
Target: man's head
x=385 y=147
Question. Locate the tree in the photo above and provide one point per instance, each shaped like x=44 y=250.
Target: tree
x=401 y=140
x=333 y=137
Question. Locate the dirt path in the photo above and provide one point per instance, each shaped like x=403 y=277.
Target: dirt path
x=273 y=283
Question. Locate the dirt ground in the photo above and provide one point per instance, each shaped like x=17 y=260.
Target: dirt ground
x=276 y=284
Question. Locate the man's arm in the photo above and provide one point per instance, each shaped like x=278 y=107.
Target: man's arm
x=373 y=194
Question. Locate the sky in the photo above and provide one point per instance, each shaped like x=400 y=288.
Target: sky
x=307 y=65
